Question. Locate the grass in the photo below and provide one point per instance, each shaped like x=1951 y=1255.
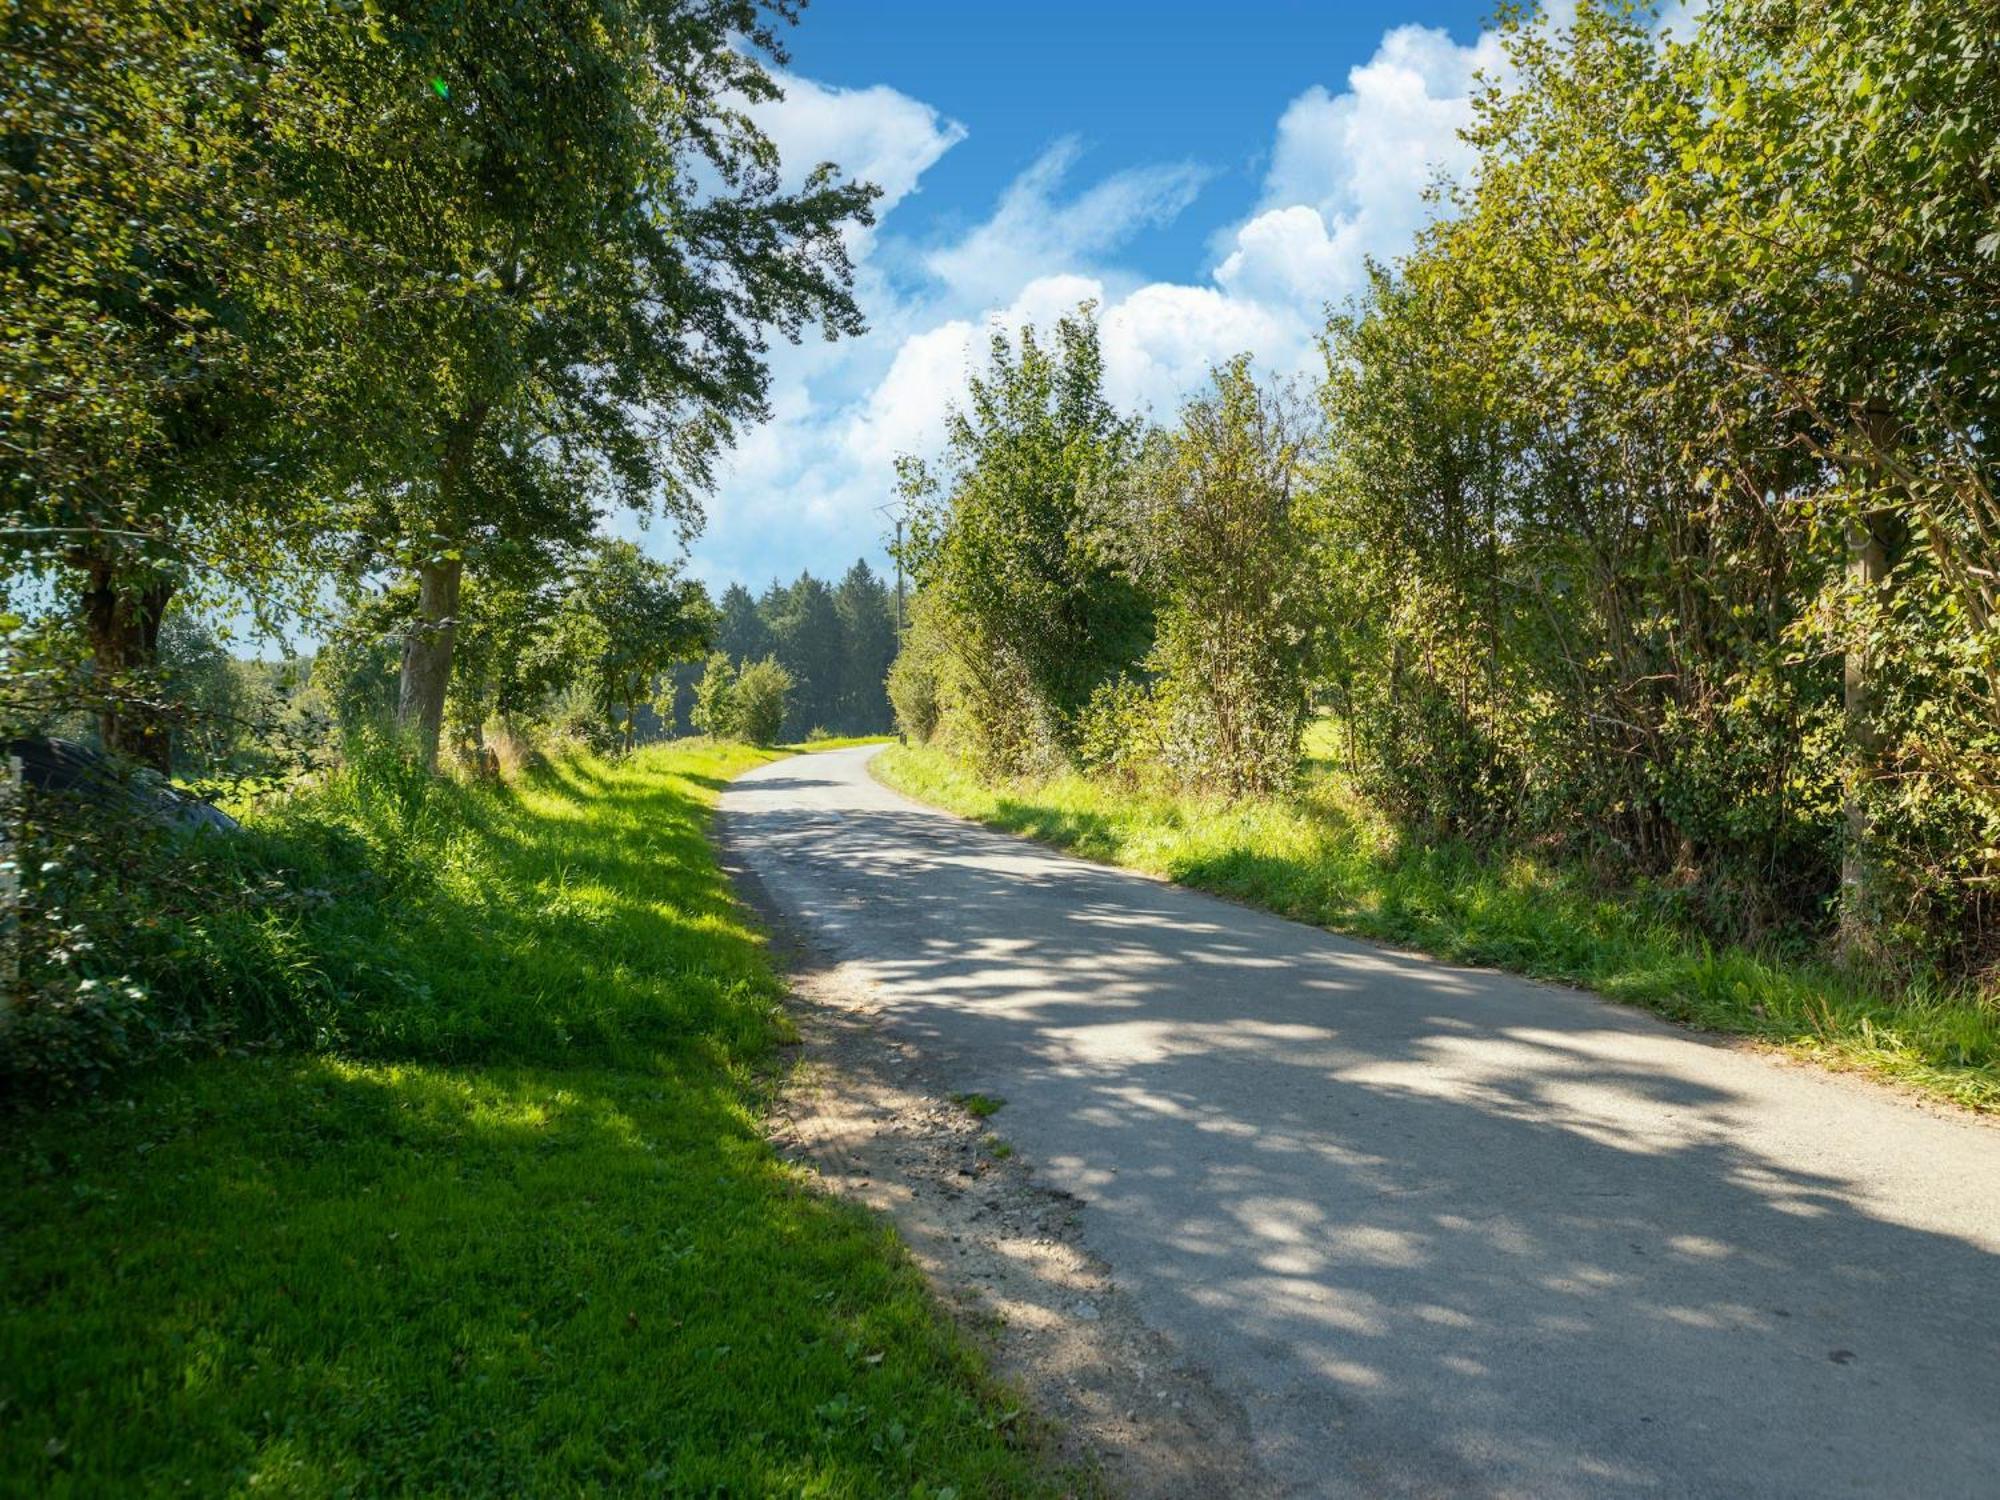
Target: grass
x=979 y=1106
x=519 y=1233
x=1319 y=857
x=841 y=742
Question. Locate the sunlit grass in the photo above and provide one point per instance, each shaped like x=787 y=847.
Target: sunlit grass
x=518 y=1233
x=1321 y=857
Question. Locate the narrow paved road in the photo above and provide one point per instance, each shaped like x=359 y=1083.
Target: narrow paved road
x=1442 y=1231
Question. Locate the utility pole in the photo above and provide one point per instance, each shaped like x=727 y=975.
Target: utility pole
x=897 y=513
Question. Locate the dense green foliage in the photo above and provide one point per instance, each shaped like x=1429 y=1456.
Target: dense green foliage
x=242 y=356
x=1226 y=543
x=757 y=702
x=747 y=703
x=1020 y=549
x=1136 y=604
x=1322 y=854
x=1662 y=473
x=367 y=1266
x=1651 y=524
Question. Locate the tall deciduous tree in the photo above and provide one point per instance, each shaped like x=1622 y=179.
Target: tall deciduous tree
x=626 y=618
x=593 y=243
x=160 y=362
x=1023 y=544
x=1227 y=554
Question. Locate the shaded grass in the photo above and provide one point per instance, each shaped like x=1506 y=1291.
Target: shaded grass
x=1319 y=857
x=519 y=1233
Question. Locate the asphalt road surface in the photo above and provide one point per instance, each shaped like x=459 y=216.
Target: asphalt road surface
x=1441 y=1231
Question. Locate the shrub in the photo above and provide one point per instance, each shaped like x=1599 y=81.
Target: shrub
x=715 y=698
x=916 y=685
x=761 y=690
x=1117 y=732
x=138 y=940
x=578 y=717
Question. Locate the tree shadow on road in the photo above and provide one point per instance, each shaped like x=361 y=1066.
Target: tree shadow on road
x=1445 y=1231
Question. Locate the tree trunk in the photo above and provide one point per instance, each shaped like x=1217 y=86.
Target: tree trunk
x=122 y=624
x=427 y=656
x=427 y=648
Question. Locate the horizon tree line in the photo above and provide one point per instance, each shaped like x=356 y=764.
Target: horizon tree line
x=835 y=644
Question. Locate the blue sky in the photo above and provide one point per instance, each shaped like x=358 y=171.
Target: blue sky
x=1213 y=176
x=1137 y=85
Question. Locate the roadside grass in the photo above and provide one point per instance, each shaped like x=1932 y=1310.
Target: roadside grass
x=1320 y=858
x=522 y=1234
x=839 y=742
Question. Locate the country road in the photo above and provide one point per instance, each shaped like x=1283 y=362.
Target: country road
x=1440 y=1231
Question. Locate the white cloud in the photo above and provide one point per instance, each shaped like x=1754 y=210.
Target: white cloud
x=1032 y=233
x=1346 y=180
x=874 y=134
x=1361 y=152
x=906 y=412
x=1349 y=171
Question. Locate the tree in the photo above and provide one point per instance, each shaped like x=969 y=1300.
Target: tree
x=1024 y=548
x=589 y=336
x=1662 y=472
x=512 y=651
x=627 y=618
x=742 y=632
x=759 y=700
x=1844 y=159
x=1226 y=556
x=807 y=630
x=166 y=343
x=868 y=639
x=715 y=698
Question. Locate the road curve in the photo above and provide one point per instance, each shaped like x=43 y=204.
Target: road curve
x=1443 y=1232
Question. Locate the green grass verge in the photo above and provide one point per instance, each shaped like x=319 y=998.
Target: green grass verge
x=1319 y=858
x=522 y=1235
x=840 y=742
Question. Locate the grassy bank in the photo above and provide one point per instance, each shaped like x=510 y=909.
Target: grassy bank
x=518 y=1233
x=1319 y=858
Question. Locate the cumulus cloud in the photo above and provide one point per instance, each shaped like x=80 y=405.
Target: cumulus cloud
x=1345 y=181
x=875 y=134
x=1349 y=171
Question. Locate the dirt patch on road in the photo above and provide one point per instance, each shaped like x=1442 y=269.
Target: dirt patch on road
x=1005 y=1252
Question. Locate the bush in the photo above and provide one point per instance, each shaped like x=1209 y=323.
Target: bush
x=715 y=698
x=1117 y=732
x=139 y=940
x=578 y=717
x=916 y=688
x=761 y=690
